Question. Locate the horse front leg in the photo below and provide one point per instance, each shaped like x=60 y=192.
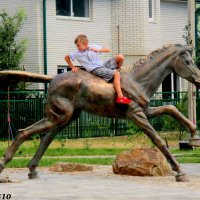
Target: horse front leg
x=173 y=111
x=140 y=119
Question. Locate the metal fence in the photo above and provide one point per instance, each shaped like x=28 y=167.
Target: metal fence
x=27 y=108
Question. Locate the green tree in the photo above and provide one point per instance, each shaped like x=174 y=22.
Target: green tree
x=187 y=36
x=197 y=58
x=12 y=49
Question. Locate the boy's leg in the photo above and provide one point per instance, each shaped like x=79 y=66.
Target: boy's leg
x=114 y=63
x=119 y=60
x=108 y=74
x=117 y=86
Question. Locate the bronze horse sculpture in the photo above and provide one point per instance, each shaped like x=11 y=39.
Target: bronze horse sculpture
x=70 y=93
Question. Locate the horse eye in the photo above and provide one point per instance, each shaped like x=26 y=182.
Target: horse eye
x=187 y=62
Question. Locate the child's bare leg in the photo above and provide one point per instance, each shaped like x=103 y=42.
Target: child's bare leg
x=119 y=60
x=117 y=84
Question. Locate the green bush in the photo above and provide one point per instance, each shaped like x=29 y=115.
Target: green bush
x=12 y=50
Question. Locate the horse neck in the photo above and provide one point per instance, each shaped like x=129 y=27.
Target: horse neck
x=150 y=75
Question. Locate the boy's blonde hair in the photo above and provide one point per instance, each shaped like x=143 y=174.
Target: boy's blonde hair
x=81 y=38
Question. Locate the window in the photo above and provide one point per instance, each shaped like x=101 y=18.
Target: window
x=152 y=10
x=170 y=85
x=63 y=68
x=73 y=8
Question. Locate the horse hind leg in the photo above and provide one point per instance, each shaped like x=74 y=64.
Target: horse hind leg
x=38 y=127
x=42 y=126
x=44 y=143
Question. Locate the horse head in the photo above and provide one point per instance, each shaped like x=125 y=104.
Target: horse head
x=185 y=67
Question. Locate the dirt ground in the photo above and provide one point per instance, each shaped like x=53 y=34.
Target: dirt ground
x=99 y=184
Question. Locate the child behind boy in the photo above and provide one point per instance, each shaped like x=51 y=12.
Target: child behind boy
x=88 y=56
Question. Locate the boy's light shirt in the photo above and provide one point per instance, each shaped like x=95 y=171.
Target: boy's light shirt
x=88 y=59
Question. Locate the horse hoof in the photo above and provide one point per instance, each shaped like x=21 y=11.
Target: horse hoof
x=182 y=178
x=33 y=175
x=194 y=142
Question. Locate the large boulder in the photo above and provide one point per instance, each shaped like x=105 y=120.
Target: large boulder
x=70 y=167
x=142 y=162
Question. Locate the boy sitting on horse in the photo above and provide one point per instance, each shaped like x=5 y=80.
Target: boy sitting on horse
x=88 y=56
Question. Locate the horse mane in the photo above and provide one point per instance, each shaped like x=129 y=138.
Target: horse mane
x=155 y=53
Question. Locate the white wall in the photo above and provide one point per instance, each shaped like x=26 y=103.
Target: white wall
x=174 y=17
x=152 y=30
x=129 y=15
x=33 y=60
x=173 y=20
x=61 y=32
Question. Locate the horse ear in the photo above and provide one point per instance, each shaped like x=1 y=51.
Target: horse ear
x=186 y=48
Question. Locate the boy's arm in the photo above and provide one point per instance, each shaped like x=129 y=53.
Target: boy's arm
x=68 y=60
x=103 y=50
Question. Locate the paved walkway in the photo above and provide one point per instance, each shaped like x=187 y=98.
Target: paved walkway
x=99 y=185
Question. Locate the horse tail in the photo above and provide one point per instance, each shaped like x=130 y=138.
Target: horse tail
x=11 y=77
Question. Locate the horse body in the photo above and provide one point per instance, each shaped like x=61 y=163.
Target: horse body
x=85 y=92
x=71 y=93
x=92 y=94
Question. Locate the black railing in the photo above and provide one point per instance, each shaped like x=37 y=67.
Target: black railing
x=27 y=108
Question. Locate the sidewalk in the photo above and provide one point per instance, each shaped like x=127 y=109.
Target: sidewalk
x=101 y=184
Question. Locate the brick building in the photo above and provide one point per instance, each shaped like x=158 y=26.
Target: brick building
x=130 y=27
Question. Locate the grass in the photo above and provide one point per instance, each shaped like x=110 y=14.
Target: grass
x=46 y=162
x=24 y=152
x=187 y=153
x=101 y=142
x=95 y=147
x=189 y=156
x=89 y=146
x=188 y=159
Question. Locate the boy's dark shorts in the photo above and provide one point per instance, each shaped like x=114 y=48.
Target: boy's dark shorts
x=107 y=70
